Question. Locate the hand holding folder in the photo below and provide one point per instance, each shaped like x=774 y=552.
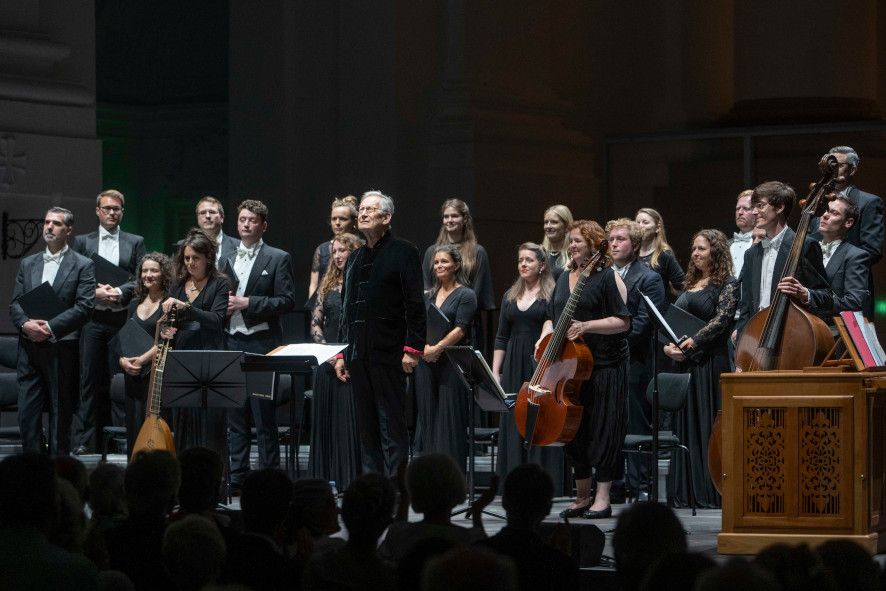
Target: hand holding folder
x=675 y=326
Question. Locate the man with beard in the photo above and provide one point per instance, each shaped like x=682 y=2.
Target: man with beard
x=48 y=347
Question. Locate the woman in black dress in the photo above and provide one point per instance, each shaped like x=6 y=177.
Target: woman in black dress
x=441 y=397
x=602 y=320
x=458 y=229
x=342 y=220
x=557 y=218
x=200 y=294
x=335 y=447
x=656 y=253
x=524 y=309
x=154 y=274
x=712 y=295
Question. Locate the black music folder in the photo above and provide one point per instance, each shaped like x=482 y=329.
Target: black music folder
x=42 y=303
x=107 y=272
x=133 y=339
x=438 y=325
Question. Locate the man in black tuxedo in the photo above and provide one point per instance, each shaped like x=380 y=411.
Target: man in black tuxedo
x=97 y=363
x=846 y=266
x=47 y=353
x=764 y=261
x=868 y=231
x=625 y=237
x=263 y=275
x=383 y=322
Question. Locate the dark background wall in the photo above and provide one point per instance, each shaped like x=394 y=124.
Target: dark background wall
x=604 y=106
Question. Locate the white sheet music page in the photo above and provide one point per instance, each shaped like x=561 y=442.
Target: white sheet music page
x=320 y=352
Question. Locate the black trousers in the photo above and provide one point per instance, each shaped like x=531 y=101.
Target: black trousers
x=47 y=370
x=261 y=411
x=379 y=399
x=639 y=419
x=98 y=363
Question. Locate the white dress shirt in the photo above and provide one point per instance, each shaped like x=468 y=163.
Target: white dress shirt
x=109 y=245
x=741 y=242
x=622 y=271
x=51 y=263
x=770 y=253
x=242 y=268
x=828 y=249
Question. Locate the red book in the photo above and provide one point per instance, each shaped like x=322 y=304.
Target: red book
x=858 y=339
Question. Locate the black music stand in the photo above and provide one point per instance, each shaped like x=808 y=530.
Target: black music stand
x=204 y=380
x=485 y=393
x=291 y=365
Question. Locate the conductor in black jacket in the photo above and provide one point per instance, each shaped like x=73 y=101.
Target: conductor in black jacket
x=264 y=292
x=97 y=363
x=383 y=322
x=47 y=347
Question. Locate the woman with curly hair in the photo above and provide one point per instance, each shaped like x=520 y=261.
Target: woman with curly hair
x=602 y=320
x=154 y=278
x=656 y=253
x=335 y=448
x=711 y=293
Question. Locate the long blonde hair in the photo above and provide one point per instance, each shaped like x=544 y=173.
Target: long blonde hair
x=545 y=279
x=660 y=242
x=468 y=245
x=562 y=212
x=334 y=275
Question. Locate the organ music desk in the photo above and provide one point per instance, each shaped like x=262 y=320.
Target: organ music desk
x=803 y=459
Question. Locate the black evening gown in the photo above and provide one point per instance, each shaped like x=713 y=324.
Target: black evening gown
x=715 y=304
x=195 y=427
x=319 y=264
x=442 y=400
x=335 y=445
x=136 y=387
x=518 y=330
x=604 y=423
x=556 y=263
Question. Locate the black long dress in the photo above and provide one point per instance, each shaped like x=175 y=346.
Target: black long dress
x=335 y=445
x=670 y=270
x=441 y=398
x=717 y=305
x=518 y=330
x=600 y=437
x=319 y=265
x=136 y=387
x=194 y=427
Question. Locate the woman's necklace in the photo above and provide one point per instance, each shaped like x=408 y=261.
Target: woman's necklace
x=194 y=287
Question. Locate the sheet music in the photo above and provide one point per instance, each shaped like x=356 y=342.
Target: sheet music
x=319 y=351
x=661 y=320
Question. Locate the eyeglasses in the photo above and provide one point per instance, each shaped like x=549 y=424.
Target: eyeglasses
x=111 y=209
x=368 y=209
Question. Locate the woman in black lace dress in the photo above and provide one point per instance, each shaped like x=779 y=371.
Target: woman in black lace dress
x=342 y=220
x=711 y=294
x=335 y=446
x=441 y=398
x=523 y=313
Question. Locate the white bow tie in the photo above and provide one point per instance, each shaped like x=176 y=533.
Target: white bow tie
x=109 y=236
x=766 y=243
x=245 y=252
x=736 y=237
x=828 y=249
x=48 y=258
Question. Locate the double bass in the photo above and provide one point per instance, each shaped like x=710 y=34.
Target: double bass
x=548 y=409
x=783 y=336
x=155 y=432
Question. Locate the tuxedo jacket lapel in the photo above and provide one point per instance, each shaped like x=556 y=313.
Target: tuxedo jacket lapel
x=124 y=248
x=261 y=261
x=36 y=272
x=836 y=261
x=630 y=278
x=66 y=266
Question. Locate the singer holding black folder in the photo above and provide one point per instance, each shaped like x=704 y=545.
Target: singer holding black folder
x=154 y=278
x=442 y=401
x=116 y=254
x=711 y=294
x=48 y=342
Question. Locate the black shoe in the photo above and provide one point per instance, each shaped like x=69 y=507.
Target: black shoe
x=80 y=450
x=601 y=514
x=568 y=513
